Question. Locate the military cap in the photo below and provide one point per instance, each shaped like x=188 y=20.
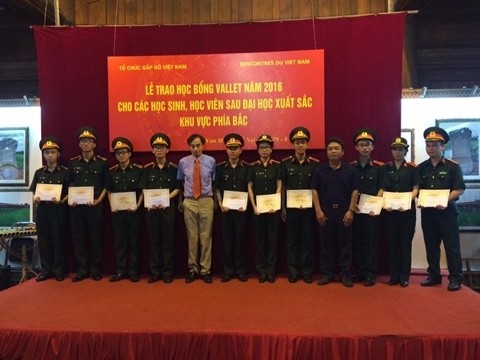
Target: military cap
x=435 y=133
x=160 y=139
x=233 y=140
x=299 y=133
x=264 y=138
x=364 y=134
x=399 y=142
x=50 y=142
x=121 y=143
x=87 y=132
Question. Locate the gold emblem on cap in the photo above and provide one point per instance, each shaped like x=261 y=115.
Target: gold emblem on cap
x=364 y=134
x=86 y=132
x=49 y=143
x=432 y=134
x=264 y=136
x=398 y=140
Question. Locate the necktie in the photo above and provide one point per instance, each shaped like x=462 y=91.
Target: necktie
x=197 y=180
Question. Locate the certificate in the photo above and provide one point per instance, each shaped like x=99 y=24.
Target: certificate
x=369 y=203
x=265 y=203
x=46 y=192
x=235 y=200
x=123 y=201
x=433 y=198
x=156 y=197
x=300 y=199
x=397 y=200
x=81 y=195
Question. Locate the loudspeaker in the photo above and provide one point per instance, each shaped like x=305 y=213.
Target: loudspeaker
x=16 y=244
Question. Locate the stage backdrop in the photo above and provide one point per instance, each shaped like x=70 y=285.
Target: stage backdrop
x=363 y=67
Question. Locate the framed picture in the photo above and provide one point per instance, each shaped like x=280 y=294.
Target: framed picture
x=463 y=145
x=469 y=208
x=409 y=134
x=15 y=206
x=14 y=156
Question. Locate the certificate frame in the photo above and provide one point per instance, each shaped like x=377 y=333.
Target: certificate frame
x=82 y=193
x=424 y=194
x=370 y=202
x=395 y=198
x=265 y=203
x=299 y=199
x=120 y=201
x=156 y=197
x=48 y=191
x=235 y=200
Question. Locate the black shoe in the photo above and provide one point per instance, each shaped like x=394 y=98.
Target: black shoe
x=96 y=277
x=346 y=281
x=153 y=279
x=307 y=279
x=115 y=278
x=134 y=278
x=292 y=279
x=430 y=281
x=207 y=278
x=404 y=283
x=262 y=278
x=369 y=282
x=324 y=280
x=190 y=277
x=454 y=285
x=271 y=279
x=60 y=277
x=242 y=277
x=358 y=278
x=393 y=282
x=43 y=277
x=226 y=278
x=167 y=279
x=79 y=277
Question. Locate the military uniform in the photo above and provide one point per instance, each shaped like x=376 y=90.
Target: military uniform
x=300 y=223
x=400 y=225
x=264 y=181
x=161 y=222
x=234 y=223
x=438 y=225
x=51 y=217
x=87 y=220
x=126 y=223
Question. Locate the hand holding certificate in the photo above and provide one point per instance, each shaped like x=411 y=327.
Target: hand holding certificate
x=156 y=198
x=48 y=192
x=80 y=195
x=369 y=204
x=123 y=201
x=235 y=200
x=299 y=199
x=397 y=200
x=433 y=198
x=268 y=203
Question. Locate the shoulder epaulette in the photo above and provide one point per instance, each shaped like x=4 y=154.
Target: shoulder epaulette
x=42 y=168
x=287 y=158
x=390 y=163
x=101 y=157
x=379 y=163
x=354 y=162
x=78 y=157
x=63 y=167
x=114 y=167
x=256 y=162
x=412 y=164
x=138 y=166
x=150 y=164
x=274 y=161
x=245 y=163
x=173 y=165
x=313 y=159
x=453 y=161
x=222 y=163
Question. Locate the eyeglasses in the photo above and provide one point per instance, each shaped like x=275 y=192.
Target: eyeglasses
x=86 y=140
x=264 y=147
x=159 y=147
x=121 y=152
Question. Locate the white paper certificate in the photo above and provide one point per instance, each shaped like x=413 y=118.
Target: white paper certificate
x=300 y=199
x=156 y=197
x=433 y=198
x=81 y=195
x=369 y=203
x=46 y=192
x=397 y=200
x=265 y=203
x=123 y=201
x=235 y=200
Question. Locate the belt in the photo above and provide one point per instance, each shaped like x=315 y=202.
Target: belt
x=201 y=197
x=334 y=206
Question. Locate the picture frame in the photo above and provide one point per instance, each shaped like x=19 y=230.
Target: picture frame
x=15 y=206
x=463 y=145
x=409 y=134
x=469 y=208
x=14 y=156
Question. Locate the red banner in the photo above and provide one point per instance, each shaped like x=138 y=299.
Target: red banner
x=213 y=95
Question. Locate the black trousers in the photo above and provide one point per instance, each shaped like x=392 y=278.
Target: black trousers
x=51 y=226
x=300 y=228
x=336 y=241
x=234 y=227
x=438 y=225
x=87 y=225
x=126 y=229
x=399 y=229
x=266 y=230
x=366 y=230
x=161 y=230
